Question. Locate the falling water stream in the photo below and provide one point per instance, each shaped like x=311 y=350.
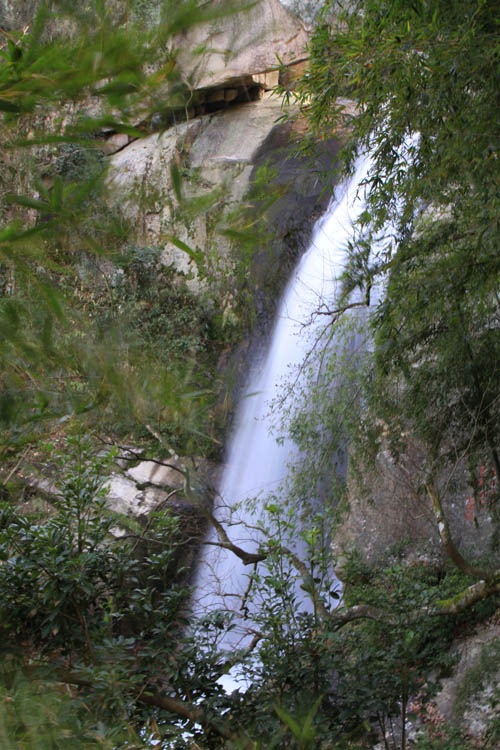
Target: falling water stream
x=257 y=464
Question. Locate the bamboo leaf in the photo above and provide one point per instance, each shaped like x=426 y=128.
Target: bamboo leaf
x=176 y=180
x=24 y=200
x=290 y=722
x=308 y=730
x=53 y=299
x=196 y=255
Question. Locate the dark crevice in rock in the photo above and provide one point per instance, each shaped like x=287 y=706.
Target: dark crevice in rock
x=205 y=101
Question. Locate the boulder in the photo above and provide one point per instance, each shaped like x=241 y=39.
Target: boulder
x=216 y=155
x=234 y=136
x=153 y=472
x=172 y=473
x=124 y=495
x=114 y=143
x=126 y=498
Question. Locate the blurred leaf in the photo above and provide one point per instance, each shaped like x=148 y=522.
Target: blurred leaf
x=176 y=180
x=196 y=255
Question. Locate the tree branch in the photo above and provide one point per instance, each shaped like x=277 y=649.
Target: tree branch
x=465 y=599
x=236 y=659
x=301 y=567
x=182 y=709
x=186 y=710
x=248 y=558
x=336 y=314
x=476 y=592
x=444 y=532
x=341 y=617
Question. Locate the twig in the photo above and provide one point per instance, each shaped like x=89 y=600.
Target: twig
x=16 y=467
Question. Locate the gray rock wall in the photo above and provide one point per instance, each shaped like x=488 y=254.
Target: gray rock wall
x=15 y=14
x=218 y=157
x=388 y=514
x=237 y=44
x=306 y=10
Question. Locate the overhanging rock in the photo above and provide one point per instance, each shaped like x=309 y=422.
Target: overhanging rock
x=239 y=44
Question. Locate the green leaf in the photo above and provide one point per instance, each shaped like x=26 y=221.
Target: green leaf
x=24 y=200
x=117 y=88
x=53 y=299
x=8 y=106
x=308 y=729
x=176 y=180
x=15 y=52
x=289 y=720
x=196 y=255
x=56 y=196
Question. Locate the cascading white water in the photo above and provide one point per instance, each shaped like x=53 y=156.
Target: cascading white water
x=256 y=463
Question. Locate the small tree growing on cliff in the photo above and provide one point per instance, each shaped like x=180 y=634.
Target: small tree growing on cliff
x=425 y=89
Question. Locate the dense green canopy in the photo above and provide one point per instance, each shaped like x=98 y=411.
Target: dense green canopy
x=425 y=77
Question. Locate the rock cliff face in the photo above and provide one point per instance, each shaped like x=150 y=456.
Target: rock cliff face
x=15 y=14
x=387 y=512
x=306 y=10
x=387 y=520
x=218 y=157
x=241 y=44
x=214 y=153
x=230 y=130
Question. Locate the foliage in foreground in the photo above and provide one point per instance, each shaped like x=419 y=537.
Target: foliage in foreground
x=91 y=322
x=39 y=715
x=100 y=615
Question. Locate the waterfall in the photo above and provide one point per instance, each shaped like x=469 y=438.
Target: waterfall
x=256 y=463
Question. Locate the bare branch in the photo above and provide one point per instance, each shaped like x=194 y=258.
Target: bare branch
x=248 y=558
x=336 y=314
x=341 y=617
x=301 y=567
x=243 y=606
x=16 y=467
x=236 y=659
x=164 y=445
